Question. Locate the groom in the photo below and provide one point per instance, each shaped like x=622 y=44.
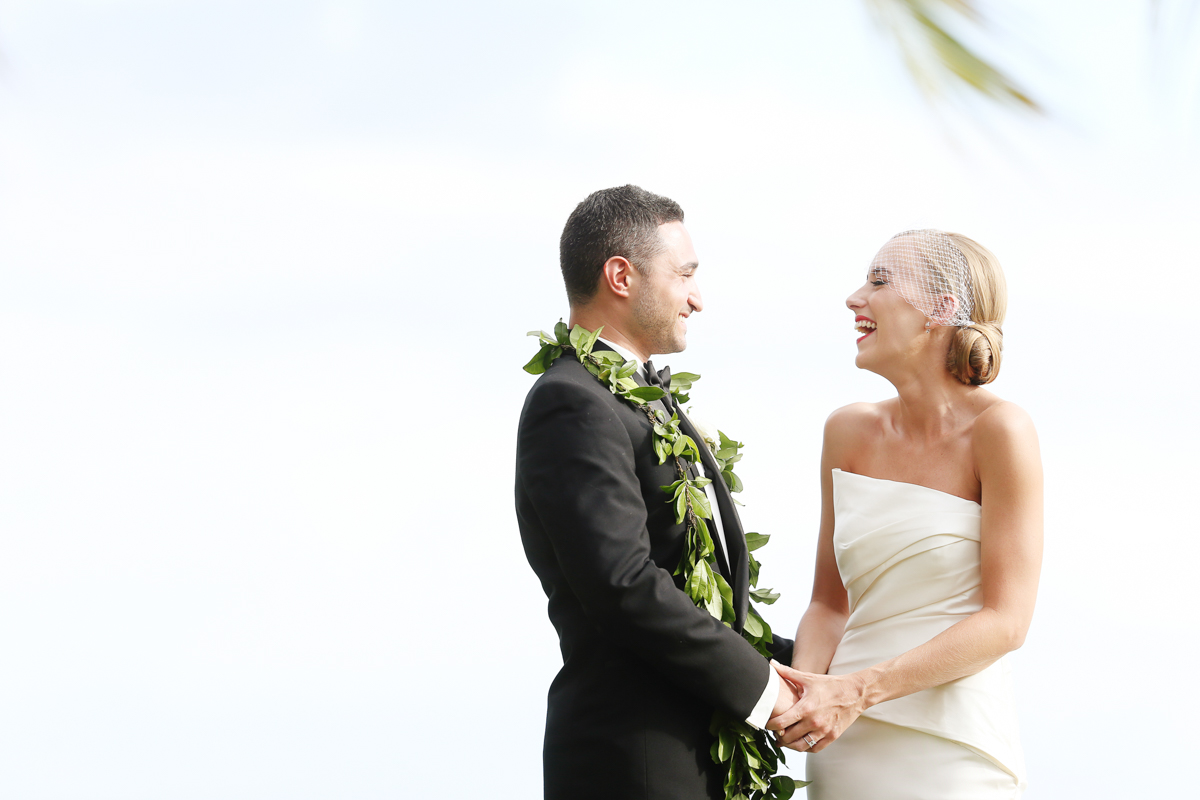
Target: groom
x=643 y=667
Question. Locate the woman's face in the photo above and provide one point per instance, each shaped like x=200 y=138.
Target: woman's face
x=890 y=330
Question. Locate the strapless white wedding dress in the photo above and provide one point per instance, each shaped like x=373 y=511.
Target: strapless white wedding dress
x=909 y=559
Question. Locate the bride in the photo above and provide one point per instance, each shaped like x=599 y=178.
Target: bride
x=929 y=549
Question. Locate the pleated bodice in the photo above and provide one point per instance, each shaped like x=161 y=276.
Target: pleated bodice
x=908 y=556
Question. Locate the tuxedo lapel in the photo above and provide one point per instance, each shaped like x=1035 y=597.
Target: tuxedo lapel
x=667 y=406
x=735 y=537
x=732 y=556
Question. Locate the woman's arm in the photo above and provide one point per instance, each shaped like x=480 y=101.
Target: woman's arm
x=824 y=622
x=1010 y=473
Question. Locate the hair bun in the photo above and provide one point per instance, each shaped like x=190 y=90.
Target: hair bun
x=975 y=352
x=975 y=349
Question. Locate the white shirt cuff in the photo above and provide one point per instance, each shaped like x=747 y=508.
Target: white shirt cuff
x=766 y=704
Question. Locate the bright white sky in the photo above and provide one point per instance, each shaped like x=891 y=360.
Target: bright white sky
x=266 y=273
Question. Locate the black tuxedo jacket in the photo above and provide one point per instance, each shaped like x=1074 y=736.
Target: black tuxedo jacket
x=643 y=667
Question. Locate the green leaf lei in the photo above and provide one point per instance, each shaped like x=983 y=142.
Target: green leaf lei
x=751 y=756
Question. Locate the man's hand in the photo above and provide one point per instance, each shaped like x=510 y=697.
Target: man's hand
x=831 y=703
x=789 y=695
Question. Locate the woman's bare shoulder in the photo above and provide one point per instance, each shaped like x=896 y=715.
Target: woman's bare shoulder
x=855 y=421
x=1003 y=420
x=1005 y=442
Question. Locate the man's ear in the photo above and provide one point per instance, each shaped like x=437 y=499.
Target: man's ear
x=618 y=276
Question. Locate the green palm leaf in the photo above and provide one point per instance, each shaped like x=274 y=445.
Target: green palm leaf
x=936 y=58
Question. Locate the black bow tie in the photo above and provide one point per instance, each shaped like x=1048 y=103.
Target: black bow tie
x=660 y=378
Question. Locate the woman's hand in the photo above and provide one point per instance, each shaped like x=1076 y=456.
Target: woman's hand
x=828 y=705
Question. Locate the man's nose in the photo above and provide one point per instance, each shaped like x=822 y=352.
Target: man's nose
x=694 y=299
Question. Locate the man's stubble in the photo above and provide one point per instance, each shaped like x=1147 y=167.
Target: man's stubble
x=657 y=322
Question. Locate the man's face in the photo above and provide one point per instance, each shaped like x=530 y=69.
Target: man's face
x=668 y=295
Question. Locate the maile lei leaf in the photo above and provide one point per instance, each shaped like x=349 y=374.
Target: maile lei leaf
x=750 y=757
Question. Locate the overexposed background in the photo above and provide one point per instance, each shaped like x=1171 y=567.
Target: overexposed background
x=265 y=274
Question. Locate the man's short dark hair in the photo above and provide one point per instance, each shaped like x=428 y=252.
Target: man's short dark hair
x=622 y=221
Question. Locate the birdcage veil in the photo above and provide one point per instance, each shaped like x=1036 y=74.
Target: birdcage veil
x=925 y=268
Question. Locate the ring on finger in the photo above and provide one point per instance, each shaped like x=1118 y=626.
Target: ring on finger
x=810 y=740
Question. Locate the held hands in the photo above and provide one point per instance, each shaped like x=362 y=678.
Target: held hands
x=789 y=695
x=827 y=705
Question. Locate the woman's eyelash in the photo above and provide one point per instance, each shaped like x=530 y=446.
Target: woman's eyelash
x=879 y=282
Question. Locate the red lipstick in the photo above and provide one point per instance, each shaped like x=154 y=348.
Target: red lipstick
x=861 y=318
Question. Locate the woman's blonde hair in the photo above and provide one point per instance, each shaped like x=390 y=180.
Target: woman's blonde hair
x=975 y=350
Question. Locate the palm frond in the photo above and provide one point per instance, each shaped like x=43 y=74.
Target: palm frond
x=936 y=58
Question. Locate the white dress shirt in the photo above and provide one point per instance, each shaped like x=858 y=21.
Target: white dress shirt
x=766 y=703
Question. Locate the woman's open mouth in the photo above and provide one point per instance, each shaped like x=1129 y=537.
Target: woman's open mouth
x=864 y=326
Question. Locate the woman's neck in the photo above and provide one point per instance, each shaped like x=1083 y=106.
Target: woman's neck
x=930 y=403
